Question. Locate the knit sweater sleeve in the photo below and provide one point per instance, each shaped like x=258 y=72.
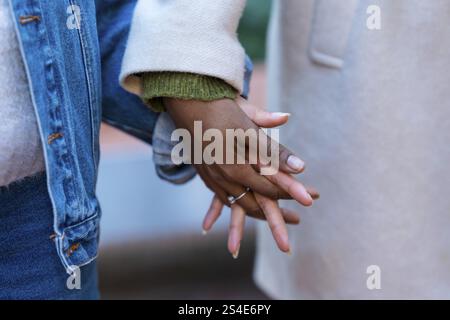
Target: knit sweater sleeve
x=197 y=37
x=180 y=85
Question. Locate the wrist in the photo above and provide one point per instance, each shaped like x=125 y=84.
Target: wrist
x=185 y=112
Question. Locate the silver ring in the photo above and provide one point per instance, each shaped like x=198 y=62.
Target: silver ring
x=232 y=200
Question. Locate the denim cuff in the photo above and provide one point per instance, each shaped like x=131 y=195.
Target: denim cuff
x=162 y=149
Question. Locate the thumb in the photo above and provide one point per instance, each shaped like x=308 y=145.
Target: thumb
x=262 y=117
x=287 y=161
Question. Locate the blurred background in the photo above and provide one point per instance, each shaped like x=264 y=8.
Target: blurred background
x=151 y=241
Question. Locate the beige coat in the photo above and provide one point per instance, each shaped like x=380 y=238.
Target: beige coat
x=371 y=118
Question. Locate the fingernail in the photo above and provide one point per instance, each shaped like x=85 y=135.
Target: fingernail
x=295 y=163
x=310 y=199
x=236 y=253
x=289 y=252
x=280 y=114
x=314 y=196
x=204 y=232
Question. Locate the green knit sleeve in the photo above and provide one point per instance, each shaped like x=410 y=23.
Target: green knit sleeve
x=180 y=85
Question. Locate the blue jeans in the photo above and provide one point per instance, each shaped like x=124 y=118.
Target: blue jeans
x=29 y=264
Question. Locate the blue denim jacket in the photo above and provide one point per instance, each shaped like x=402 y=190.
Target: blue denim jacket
x=72 y=51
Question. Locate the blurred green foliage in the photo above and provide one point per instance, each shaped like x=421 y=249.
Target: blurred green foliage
x=253 y=28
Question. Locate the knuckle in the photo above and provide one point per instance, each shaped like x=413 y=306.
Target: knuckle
x=276 y=193
x=262 y=204
x=272 y=192
x=238 y=173
x=256 y=213
x=234 y=226
x=229 y=173
x=217 y=177
x=254 y=209
x=277 y=227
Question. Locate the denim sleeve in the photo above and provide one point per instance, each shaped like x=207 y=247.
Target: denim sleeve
x=121 y=109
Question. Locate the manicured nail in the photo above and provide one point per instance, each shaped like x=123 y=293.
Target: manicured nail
x=204 y=232
x=236 y=253
x=315 y=196
x=295 y=163
x=280 y=114
x=310 y=199
x=300 y=194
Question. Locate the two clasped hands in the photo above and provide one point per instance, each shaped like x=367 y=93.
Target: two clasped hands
x=241 y=186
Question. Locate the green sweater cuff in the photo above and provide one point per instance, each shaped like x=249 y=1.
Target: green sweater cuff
x=185 y=86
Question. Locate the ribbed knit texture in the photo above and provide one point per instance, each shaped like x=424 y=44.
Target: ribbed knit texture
x=182 y=85
x=20 y=146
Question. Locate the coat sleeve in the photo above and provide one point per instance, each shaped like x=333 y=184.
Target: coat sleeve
x=185 y=36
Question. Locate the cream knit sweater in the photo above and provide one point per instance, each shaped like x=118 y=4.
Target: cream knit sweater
x=185 y=36
x=20 y=146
